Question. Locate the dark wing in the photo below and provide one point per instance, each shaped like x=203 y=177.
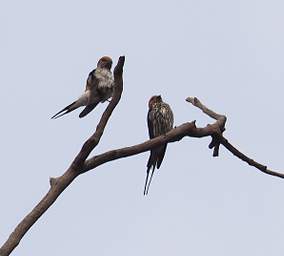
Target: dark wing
x=160 y=155
x=152 y=153
x=92 y=81
x=88 y=109
x=65 y=110
x=150 y=118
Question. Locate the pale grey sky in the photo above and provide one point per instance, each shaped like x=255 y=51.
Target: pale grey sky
x=228 y=53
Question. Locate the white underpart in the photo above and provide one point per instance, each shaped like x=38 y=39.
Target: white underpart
x=105 y=78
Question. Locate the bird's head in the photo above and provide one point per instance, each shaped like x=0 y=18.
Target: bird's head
x=154 y=100
x=105 y=62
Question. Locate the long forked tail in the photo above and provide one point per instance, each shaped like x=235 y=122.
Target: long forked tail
x=149 y=183
x=66 y=110
x=150 y=165
x=146 y=181
x=155 y=160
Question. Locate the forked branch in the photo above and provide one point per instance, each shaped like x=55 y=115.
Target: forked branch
x=58 y=185
x=220 y=139
x=81 y=164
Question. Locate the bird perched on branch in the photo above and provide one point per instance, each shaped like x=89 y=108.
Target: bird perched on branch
x=99 y=88
x=160 y=120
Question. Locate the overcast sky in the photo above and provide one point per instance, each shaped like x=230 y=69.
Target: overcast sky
x=228 y=53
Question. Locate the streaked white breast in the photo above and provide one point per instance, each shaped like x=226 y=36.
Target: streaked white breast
x=105 y=78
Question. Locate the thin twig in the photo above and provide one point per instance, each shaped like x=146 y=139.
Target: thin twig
x=220 y=123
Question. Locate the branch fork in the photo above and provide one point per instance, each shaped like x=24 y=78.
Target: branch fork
x=81 y=164
x=218 y=127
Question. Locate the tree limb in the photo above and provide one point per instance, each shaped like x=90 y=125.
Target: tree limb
x=221 y=122
x=176 y=134
x=81 y=165
x=58 y=185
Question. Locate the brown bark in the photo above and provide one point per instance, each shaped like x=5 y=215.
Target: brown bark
x=81 y=164
x=58 y=185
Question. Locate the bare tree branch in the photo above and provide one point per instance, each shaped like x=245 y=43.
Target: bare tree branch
x=248 y=160
x=93 y=141
x=221 y=121
x=176 y=134
x=58 y=185
x=197 y=103
x=81 y=165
